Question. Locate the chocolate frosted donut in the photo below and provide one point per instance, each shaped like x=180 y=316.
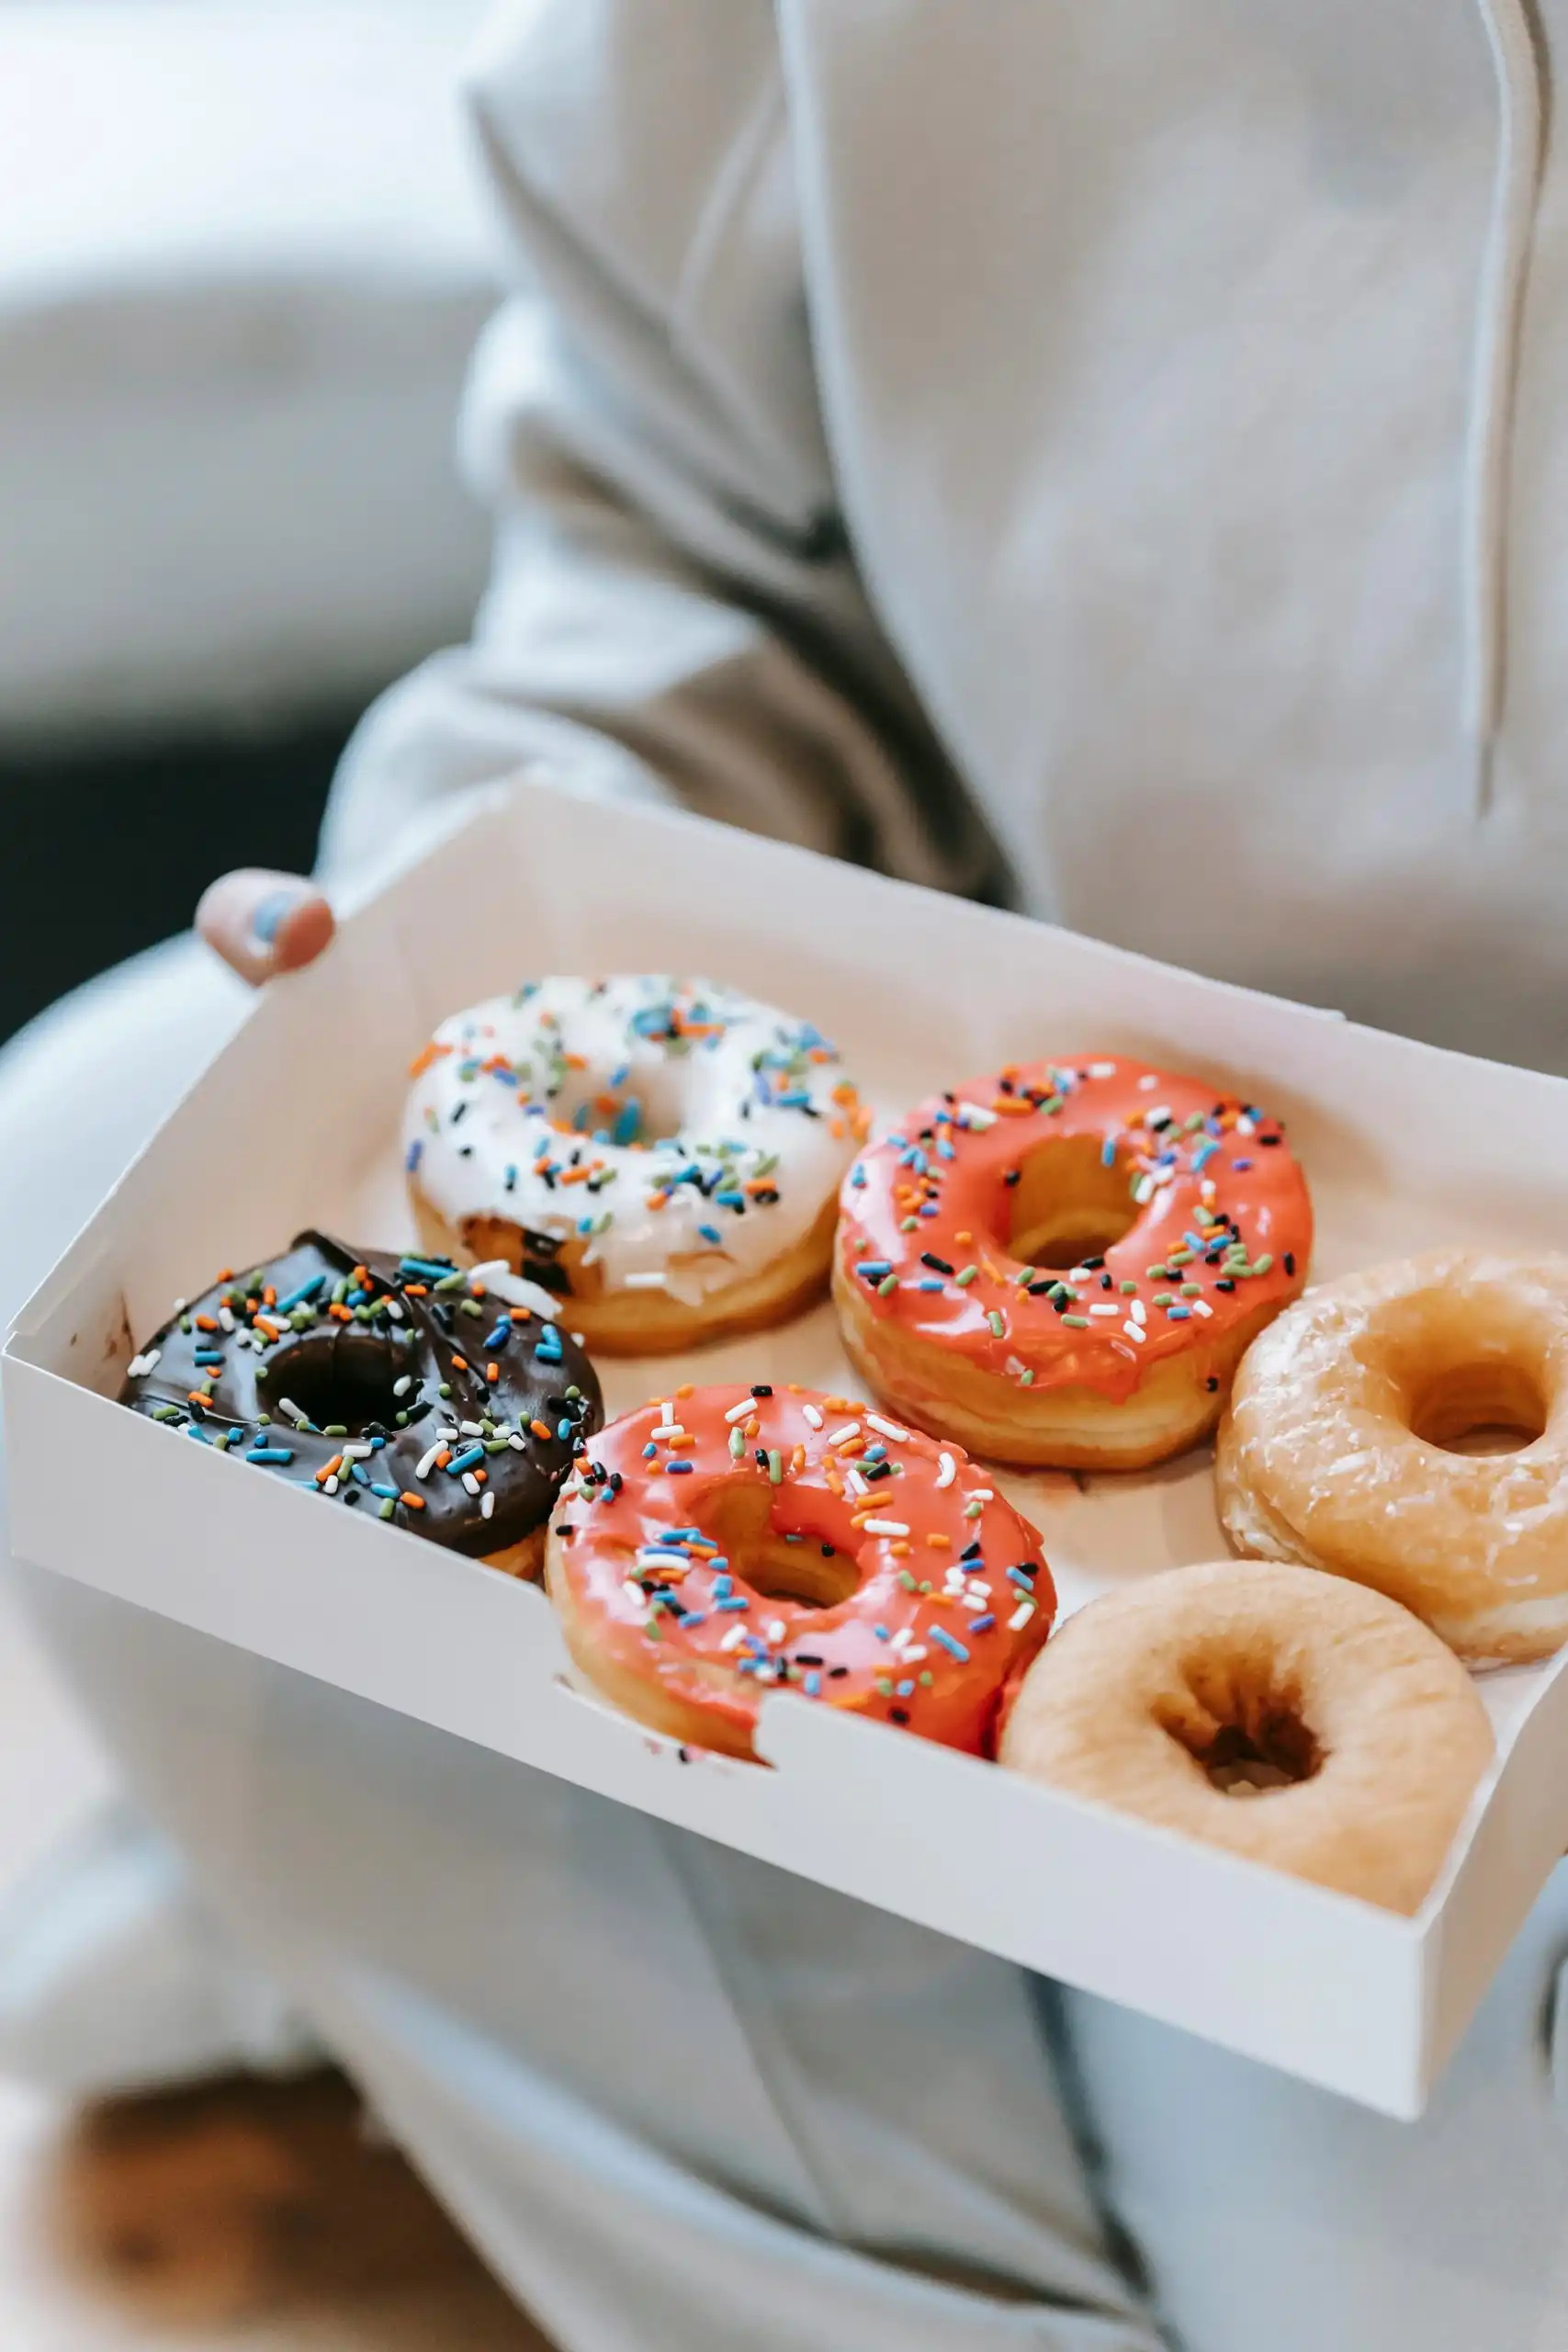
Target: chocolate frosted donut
x=395 y=1385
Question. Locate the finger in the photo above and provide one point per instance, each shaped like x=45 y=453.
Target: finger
x=264 y=923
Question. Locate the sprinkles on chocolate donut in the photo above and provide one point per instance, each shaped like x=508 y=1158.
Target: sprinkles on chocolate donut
x=447 y=1402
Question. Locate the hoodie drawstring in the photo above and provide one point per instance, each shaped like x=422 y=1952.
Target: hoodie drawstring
x=1500 y=314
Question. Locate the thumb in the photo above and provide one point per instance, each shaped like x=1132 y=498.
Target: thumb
x=264 y=923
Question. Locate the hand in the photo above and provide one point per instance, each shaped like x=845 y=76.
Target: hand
x=264 y=923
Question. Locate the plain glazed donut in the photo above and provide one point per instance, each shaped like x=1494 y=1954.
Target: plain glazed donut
x=1363 y=1735
x=730 y=1541
x=1062 y=1266
x=1334 y=1451
x=443 y=1401
x=663 y=1153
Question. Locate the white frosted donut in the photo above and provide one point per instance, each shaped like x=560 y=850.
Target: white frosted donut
x=1290 y=1718
x=665 y=1154
x=1335 y=1449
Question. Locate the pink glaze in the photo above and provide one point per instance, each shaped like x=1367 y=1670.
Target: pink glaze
x=890 y=1650
x=945 y=1167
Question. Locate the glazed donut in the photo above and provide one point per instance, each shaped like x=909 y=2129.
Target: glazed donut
x=1063 y=1266
x=448 y=1403
x=727 y=1541
x=1356 y=1737
x=663 y=1152
x=1335 y=1450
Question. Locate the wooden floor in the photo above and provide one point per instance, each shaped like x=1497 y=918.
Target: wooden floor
x=259 y=2216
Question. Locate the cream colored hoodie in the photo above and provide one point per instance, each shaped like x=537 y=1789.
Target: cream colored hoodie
x=1112 y=456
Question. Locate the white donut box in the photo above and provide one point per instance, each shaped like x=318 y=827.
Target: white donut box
x=295 y=1123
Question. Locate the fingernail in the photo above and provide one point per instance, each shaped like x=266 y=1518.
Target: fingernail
x=269 y=916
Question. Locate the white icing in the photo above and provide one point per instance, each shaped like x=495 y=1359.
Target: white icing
x=751 y=1102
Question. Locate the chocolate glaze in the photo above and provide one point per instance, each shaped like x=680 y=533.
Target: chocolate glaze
x=340 y=1372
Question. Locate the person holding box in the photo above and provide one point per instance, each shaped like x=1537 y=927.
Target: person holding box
x=1111 y=462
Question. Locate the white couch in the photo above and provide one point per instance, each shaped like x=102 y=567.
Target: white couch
x=241 y=264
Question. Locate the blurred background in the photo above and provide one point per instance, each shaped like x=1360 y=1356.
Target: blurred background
x=242 y=264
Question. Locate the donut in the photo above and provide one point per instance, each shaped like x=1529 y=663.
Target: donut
x=1335 y=1449
x=448 y=1403
x=664 y=1153
x=1061 y=1266
x=729 y=1540
x=1356 y=1736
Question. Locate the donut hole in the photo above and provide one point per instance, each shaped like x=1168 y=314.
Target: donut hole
x=796 y=1567
x=1067 y=1204
x=1240 y=1765
x=647 y=1108
x=1495 y=1406
x=337 y=1379
x=771 y=1546
x=1245 y=1734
